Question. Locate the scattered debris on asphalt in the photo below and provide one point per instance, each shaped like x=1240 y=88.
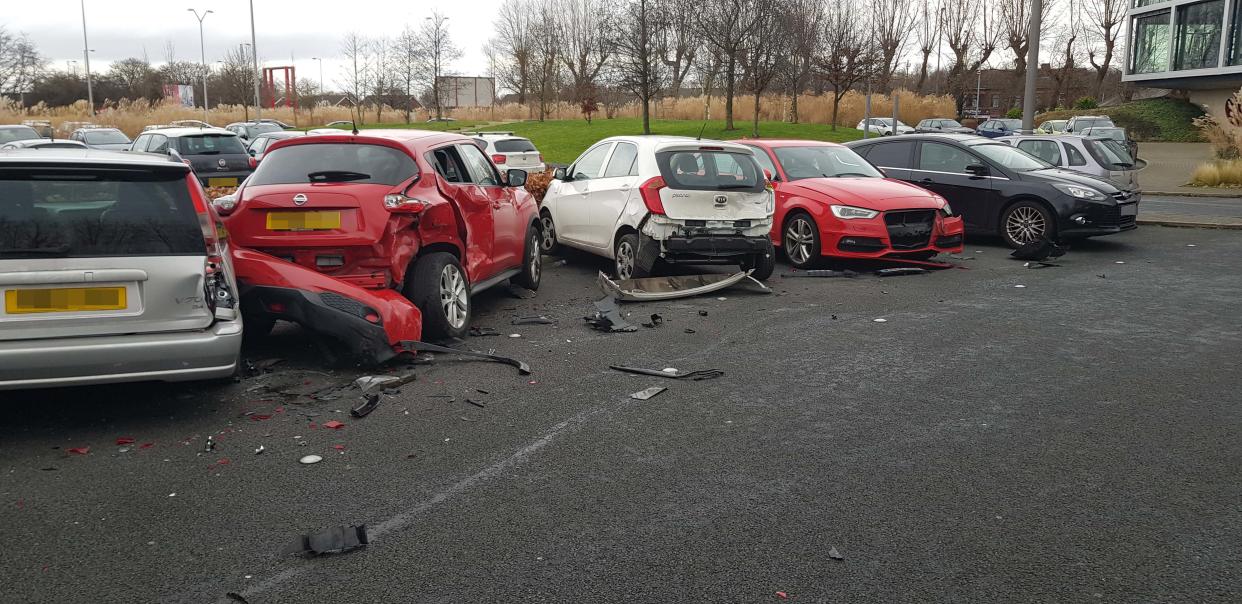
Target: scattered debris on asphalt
x=368 y=404
x=821 y=273
x=703 y=374
x=670 y=287
x=902 y=270
x=260 y=450
x=209 y=445
x=412 y=345
x=479 y=332
x=1019 y=286
x=521 y=292
x=236 y=597
x=515 y=335
x=688 y=330
x=834 y=554
x=782 y=595
x=1041 y=249
x=956 y=257
x=647 y=393
x=702 y=313
x=335 y=540
x=479 y=404
x=78 y=450
x=608 y=317
x=538 y=320
x=879 y=320
x=561 y=262
x=656 y=321
x=368 y=383
x=333 y=424
x=125 y=440
x=1039 y=264
x=1120 y=262
x=310 y=459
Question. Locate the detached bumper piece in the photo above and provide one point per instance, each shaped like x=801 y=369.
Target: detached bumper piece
x=668 y=288
x=371 y=324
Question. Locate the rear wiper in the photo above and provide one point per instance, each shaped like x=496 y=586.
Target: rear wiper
x=727 y=187
x=42 y=251
x=336 y=176
x=207 y=153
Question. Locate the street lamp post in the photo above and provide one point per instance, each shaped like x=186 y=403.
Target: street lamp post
x=320 y=74
x=254 y=47
x=202 y=48
x=1032 y=67
x=86 y=54
x=978 y=88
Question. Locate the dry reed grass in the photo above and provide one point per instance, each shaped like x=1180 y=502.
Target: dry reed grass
x=130 y=117
x=1221 y=173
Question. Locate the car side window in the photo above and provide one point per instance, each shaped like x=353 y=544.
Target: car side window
x=1075 y=156
x=765 y=161
x=480 y=168
x=449 y=165
x=891 y=155
x=588 y=166
x=1048 y=151
x=158 y=144
x=622 y=161
x=140 y=143
x=939 y=157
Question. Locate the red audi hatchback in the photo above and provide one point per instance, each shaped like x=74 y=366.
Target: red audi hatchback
x=832 y=202
x=424 y=213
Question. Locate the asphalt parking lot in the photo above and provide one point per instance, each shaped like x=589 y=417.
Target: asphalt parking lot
x=1073 y=440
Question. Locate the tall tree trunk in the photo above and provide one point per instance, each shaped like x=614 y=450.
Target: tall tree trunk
x=729 y=83
x=836 y=104
x=646 y=115
x=793 y=107
x=755 y=132
x=923 y=72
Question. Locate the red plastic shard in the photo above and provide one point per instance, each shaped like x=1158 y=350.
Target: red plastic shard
x=782 y=595
x=146 y=445
x=79 y=450
x=223 y=462
x=125 y=440
x=258 y=418
x=339 y=447
x=333 y=424
x=279 y=410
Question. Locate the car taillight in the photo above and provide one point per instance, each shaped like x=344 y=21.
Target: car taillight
x=499 y=159
x=254 y=163
x=650 y=191
x=396 y=202
x=216 y=289
x=540 y=158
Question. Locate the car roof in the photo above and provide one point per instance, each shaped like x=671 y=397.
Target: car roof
x=96 y=128
x=39 y=142
x=280 y=134
x=660 y=140
x=410 y=139
x=181 y=131
x=87 y=156
x=773 y=143
x=925 y=136
x=12 y=126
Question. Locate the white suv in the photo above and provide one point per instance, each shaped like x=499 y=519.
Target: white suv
x=643 y=199
x=508 y=151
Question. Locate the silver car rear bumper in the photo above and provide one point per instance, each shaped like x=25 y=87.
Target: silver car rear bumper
x=171 y=357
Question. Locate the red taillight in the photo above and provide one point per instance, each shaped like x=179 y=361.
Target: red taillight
x=254 y=163
x=499 y=159
x=372 y=318
x=650 y=191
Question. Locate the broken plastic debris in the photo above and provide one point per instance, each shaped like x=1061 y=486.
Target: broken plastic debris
x=368 y=404
x=209 y=445
x=310 y=459
x=539 y=320
x=260 y=450
x=412 y=345
x=1191 y=245
x=479 y=404
x=521 y=292
x=821 y=273
x=483 y=331
x=879 y=320
x=339 y=447
x=1019 y=286
x=515 y=335
x=1038 y=264
x=1040 y=249
x=670 y=287
x=608 y=317
x=334 y=540
x=236 y=597
x=656 y=320
x=1120 y=262
x=125 y=440
x=834 y=554
x=333 y=425
x=647 y=393
x=704 y=374
x=899 y=271
x=79 y=450
x=782 y=595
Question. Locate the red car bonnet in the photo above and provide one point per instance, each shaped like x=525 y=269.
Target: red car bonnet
x=880 y=194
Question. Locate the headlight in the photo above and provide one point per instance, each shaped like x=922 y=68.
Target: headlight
x=1078 y=192
x=948 y=211
x=851 y=212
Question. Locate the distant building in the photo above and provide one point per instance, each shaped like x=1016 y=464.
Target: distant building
x=1189 y=45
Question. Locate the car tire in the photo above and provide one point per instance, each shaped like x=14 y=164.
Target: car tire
x=1025 y=222
x=532 y=261
x=802 y=248
x=761 y=265
x=625 y=258
x=547 y=234
x=437 y=285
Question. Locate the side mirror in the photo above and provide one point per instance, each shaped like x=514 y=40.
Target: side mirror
x=977 y=170
x=559 y=174
x=516 y=178
x=252 y=153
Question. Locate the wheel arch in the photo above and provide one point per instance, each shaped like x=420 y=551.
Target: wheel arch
x=622 y=230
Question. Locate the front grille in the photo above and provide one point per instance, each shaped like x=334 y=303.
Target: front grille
x=1107 y=217
x=1128 y=221
x=909 y=229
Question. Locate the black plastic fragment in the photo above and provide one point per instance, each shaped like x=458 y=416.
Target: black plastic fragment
x=834 y=554
x=479 y=404
x=539 y=320
x=704 y=374
x=335 y=540
x=368 y=404
x=479 y=332
x=899 y=271
x=521 y=292
x=702 y=313
x=821 y=273
x=236 y=597
x=415 y=345
x=608 y=317
x=656 y=320
x=1041 y=249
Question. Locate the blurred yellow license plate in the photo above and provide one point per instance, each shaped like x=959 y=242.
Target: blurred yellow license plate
x=303 y=221
x=222 y=182
x=19 y=301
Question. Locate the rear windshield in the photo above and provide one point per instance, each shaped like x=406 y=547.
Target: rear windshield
x=710 y=170
x=210 y=144
x=334 y=162
x=823 y=162
x=1110 y=153
x=105 y=137
x=515 y=145
x=56 y=213
x=21 y=133
x=263 y=128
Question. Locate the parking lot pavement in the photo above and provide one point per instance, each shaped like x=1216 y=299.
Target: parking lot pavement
x=1071 y=440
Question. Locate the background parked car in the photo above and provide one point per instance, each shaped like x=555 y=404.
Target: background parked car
x=383 y=210
x=1114 y=133
x=509 y=151
x=190 y=124
x=45 y=143
x=1052 y=127
x=110 y=271
x=107 y=139
x=884 y=126
x=15 y=132
x=216 y=155
x=942 y=125
x=1076 y=124
x=248 y=130
x=642 y=199
x=1097 y=156
x=999 y=127
x=831 y=202
x=259 y=144
x=1000 y=190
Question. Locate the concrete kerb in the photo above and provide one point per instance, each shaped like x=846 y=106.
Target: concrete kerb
x=1226 y=193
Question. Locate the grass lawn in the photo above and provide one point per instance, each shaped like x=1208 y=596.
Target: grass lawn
x=1148 y=120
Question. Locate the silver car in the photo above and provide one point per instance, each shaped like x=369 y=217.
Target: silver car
x=110 y=271
x=1094 y=155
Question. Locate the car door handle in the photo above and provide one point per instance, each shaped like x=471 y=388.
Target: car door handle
x=927 y=181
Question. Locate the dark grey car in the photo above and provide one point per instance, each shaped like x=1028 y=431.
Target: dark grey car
x=934 y=125
x=217 y=156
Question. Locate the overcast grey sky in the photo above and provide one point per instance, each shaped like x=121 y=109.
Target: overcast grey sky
x=299 y=28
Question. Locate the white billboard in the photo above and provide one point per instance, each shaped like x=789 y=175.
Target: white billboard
x=468 y=92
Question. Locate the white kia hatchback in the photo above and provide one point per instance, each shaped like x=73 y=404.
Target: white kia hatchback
x=640 y=200
x=508 y=151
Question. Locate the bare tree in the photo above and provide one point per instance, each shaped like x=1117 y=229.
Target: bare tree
x=1106 y=17
x=891 y=22
x=971 y=32
x=1016 y=20
x=765 y=52
x=1065 y=62
x=679 y=40
x=406 y=64
x=20 y=63
x=639 y=65
x=545 y=63
x=514 y=45
x=709 y=64
x=928 y=39
x=583 y=30
x=355 y=76
x=845 y=59
x=799 y=30
x=437 y=53
x=727 y=25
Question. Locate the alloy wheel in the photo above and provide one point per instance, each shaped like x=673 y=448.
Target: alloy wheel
x=1025 y=225
x=799 y=239
x=536 y=259
x=625 y=260
x=548 y=237
x=453 y=297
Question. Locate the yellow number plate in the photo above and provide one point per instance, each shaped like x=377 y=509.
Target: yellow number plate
x=303 y=221
x=23 y=301
x=222 y=182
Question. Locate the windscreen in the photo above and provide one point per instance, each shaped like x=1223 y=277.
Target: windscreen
x=515 y=145
x=1011 y=124
x=1009 y=157
x=334 y=162
x=1110 y=153
x=59 y=213
x=210 y=144
x=105 y=137
x=823 y=162
x=20 y=133
x=708 y=170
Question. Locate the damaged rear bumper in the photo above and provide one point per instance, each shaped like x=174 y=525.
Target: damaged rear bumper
x=676 y=242
x=371 y=324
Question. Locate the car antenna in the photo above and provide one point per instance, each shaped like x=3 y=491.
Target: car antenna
x=700 y=136
x=352 y=123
